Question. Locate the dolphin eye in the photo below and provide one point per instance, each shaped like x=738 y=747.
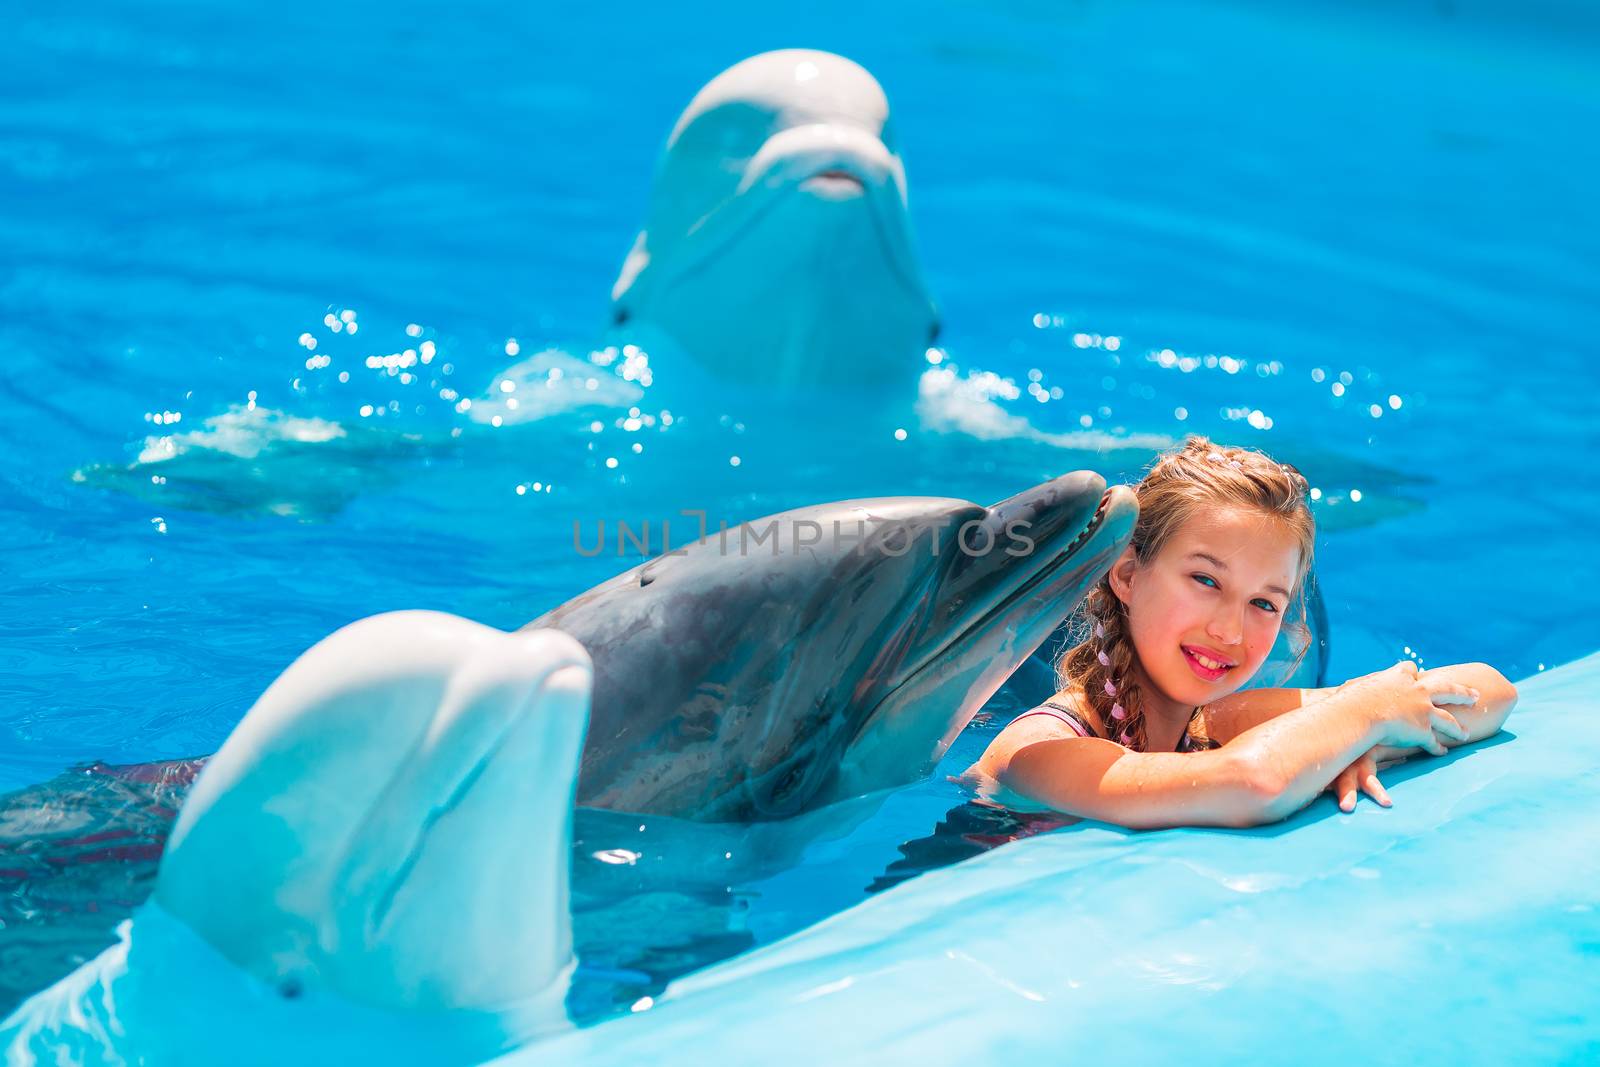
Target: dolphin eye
x=933 y=331
x=791 y=779
x=620 y=317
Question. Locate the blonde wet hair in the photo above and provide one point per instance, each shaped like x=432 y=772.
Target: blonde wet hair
x=1197 y=476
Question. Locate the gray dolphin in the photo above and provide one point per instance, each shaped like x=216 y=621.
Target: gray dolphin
x=828 y=651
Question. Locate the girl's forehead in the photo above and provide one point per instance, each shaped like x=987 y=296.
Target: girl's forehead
x=1238 y=537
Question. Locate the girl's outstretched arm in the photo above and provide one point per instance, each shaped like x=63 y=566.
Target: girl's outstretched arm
x=1228 y=718
x=1232 y=716
x=1267 y=772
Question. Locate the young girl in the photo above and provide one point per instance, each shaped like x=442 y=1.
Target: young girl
x=1150 y=729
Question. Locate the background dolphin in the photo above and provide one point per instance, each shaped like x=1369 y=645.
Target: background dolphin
x=776 y=247
x=374 y=865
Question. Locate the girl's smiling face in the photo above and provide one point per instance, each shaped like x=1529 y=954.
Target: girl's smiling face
x=1204 y=613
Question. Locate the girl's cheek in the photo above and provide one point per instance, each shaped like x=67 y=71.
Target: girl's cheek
x=1259 y=639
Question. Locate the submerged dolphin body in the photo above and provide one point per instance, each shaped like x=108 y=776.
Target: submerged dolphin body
x=339 y=883
x=828 y=651
x=776 y=247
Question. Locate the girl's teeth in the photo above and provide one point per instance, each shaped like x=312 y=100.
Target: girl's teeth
x=1207 y=663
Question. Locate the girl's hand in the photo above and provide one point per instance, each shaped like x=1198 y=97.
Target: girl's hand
x=1362 y=774
x=1413 y=710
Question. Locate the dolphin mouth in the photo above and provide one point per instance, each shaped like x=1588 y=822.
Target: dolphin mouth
x=798 y=153
x=1043 y=574
x=988 y=619
x=1037 y=578
x=835 y=182
x=820 y=161
x=797 y=780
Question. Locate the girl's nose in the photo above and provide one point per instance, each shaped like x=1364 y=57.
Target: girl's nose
x=1226 y=626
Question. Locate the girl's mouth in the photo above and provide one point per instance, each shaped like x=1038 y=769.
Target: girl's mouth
x=1205 y=663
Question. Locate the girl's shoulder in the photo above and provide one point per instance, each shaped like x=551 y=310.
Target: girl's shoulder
x=1067 y=709
x=1061 y=717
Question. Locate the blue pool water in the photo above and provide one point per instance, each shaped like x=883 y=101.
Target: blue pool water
x=1398 y=204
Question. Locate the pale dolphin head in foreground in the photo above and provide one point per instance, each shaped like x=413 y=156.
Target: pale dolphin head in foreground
x=374 y=865
x=776 y=246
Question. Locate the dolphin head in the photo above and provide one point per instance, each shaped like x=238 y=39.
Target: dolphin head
x=776 y=247
x=827 y=651
x=389 y=826
x=1013 y=575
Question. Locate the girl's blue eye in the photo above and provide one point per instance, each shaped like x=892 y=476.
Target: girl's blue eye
x=1205 y=580
x=1266 y=605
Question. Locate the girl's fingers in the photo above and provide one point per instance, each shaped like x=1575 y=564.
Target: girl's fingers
x=1366 y=774
x=1344 y=789
x=1452 y=693
x=1375 y=789
x=1447 y=725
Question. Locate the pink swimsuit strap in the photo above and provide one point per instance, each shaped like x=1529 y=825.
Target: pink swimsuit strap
x=1186 y=743
x=1055 y=711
